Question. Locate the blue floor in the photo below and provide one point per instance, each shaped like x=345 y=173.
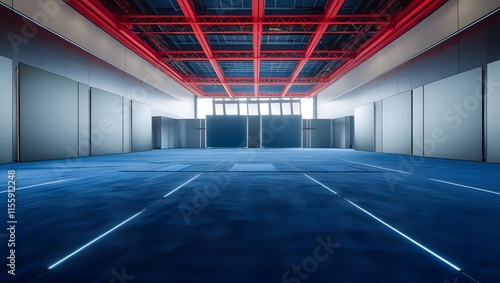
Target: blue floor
x=254 y=215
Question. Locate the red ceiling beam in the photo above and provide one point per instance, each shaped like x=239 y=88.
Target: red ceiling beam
x=331 y=10
x=100 y=16
x=258 y=7
x=269 y=55
x=410 y=17
x=274 y=32
x=188 y=10
x=249 y=21
x=250 y=95
x=250 y=82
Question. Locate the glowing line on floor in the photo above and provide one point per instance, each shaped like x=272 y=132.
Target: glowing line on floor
x=392 y=228
x=464 y=186
x=117 y=226
x=38 y=185
x=378 y=167
x=94 y=240
x=187 y=182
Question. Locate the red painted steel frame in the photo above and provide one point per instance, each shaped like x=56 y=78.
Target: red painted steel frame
x=388 y=28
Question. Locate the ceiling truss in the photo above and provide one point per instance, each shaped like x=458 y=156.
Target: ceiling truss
x=257 y=54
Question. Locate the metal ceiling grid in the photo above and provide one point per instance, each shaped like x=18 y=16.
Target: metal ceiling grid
x=259 y=48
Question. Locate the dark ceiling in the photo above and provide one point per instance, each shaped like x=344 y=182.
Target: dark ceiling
x=260 y=48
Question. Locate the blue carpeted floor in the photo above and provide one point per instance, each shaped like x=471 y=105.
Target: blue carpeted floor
x=254 y=215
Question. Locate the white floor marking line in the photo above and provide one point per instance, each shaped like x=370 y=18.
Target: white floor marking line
x=117 y=226
x=94 y=240
x=402 y=172
x=464 y=186
x=291 y=165
x=390 y=227
x=38 y=185
x=187 y=182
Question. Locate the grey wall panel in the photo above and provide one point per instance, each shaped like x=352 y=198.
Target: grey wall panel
x=83 y=120
x=418 y=121
x=227 y=131
x=157 y=133
x=379 y=106
x=306 y=133
x=49 y=115
x=364 y=127
x=254 y=131
x=106 y=122
x=349 y=131
x=493 y=112
x=164 y=132
x=396 y=120
x=141 y=127
x=321 y=133
x=191 y=133
x=343 y=132
x=282 y=131
x=173 y=136
x=203 y=133
x=127 y=125
x=6 y=111
x=339 y=132
x=453 y=117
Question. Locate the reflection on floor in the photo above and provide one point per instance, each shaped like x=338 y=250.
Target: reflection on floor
x=254 y=215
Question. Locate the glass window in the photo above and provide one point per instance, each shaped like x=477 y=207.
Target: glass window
x=287 y=108
x=231 y=109
x=264 y=108
x=243 y=108
x=307 y=108
x=296 y=108
x=253 y=109
x=275 y=109
x=204 y=108
x=219 y=109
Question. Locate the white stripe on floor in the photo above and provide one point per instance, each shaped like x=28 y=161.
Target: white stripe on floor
x=389 y=226
x=117 y=226
x=464 y=186
x=38 y=185
x=378 y=167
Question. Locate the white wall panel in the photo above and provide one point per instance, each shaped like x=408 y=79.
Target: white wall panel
x=453 y=117
x=364 y=127
x=49 y=115
x=379 y=106
x=418 y=121
x=106 y=122
x=396 y=121
x=6 y=111
x=83 y=120
x=127 y=125
x=493 y=112
x=141 y=127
